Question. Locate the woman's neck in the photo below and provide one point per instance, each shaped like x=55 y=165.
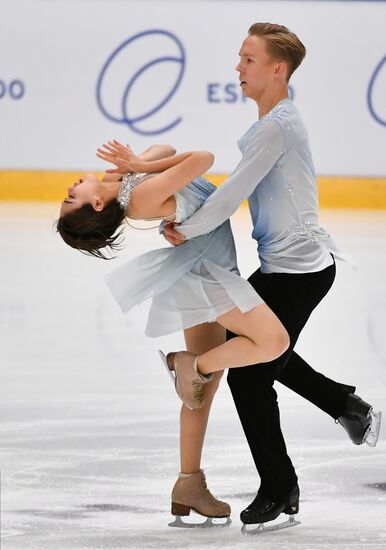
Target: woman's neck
x=111 y=189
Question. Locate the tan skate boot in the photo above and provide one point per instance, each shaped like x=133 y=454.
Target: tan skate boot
x=189 y=382
x=190 y=492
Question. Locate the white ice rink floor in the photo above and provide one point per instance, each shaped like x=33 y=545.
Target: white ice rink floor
x=89 y=419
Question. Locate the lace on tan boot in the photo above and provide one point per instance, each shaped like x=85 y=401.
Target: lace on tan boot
x=188 y=381
x=191 y=492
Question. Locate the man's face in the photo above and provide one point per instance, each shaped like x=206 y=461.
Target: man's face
x=256 y=67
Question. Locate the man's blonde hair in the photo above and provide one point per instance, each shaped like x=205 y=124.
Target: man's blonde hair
x=281 y=44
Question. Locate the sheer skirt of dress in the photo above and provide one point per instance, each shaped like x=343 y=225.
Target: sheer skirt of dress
x=190 y=284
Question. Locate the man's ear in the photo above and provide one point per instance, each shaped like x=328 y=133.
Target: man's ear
x=281 y=69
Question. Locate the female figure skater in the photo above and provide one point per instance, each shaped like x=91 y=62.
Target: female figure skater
x=191 y=287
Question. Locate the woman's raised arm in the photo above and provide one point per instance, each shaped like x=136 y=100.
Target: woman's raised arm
x=157 y=152
x=154 y=152
x=171 y=173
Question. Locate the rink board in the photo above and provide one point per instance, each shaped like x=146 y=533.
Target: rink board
x=334 y=191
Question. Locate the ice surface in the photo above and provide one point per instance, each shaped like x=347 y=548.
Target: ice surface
x=89 y=419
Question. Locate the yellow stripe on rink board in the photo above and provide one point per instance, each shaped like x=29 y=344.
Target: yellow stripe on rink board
x=343 y=192
x=36 y=185
x=350 y=192
x=50 y=186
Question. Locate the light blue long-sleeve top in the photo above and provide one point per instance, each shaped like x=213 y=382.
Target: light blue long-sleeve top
x=277 y=175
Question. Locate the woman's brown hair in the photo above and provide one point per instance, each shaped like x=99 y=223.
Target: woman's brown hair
x=281 y=44
x=88 y=230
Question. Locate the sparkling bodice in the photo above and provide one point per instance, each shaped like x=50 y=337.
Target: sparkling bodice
x=188 y=199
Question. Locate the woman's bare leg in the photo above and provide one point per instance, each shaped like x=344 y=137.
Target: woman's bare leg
x=262 y=338
x=199 y=340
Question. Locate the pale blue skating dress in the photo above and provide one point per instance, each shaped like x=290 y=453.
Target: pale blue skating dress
x=189 y=284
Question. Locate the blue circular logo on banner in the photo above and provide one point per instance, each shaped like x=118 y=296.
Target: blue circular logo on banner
x=378 y=79
x=139 y=78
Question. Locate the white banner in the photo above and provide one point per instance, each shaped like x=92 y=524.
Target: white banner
x=76 y=73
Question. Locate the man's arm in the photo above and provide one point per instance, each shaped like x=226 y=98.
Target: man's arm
x=265 y=148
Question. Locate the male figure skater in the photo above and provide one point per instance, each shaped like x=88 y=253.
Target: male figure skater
x=297 y=265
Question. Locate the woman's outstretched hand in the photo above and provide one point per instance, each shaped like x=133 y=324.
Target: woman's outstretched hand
x=121 y=156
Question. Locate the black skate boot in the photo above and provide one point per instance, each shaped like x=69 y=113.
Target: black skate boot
x=360 y=421
x=264 y=509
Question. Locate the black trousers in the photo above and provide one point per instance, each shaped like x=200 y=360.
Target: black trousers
x=292 y=297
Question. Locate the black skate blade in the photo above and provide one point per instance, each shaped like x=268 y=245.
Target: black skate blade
x=207 y=524
x=263 y=528
x=171 y=373
x=371 y=436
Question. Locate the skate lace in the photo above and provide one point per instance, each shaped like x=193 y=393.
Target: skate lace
x=205 y=488
x=218 y=503
x=198 y=391
x=203 y=484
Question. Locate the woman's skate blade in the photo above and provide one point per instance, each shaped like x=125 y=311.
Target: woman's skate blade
x=164 y=360
x=263 y=528
x=207 y=524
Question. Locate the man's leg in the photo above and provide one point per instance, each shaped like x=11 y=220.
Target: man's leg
x=299 y=376
x=292 y=298
x=257 y=407
x=357 y=417
x=326 y=394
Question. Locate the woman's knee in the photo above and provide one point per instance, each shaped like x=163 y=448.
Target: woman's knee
x=276 y=343
x=271 y=340
x=268 y=333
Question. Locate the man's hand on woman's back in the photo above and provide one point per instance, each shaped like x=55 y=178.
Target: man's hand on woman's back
x=172 y=236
